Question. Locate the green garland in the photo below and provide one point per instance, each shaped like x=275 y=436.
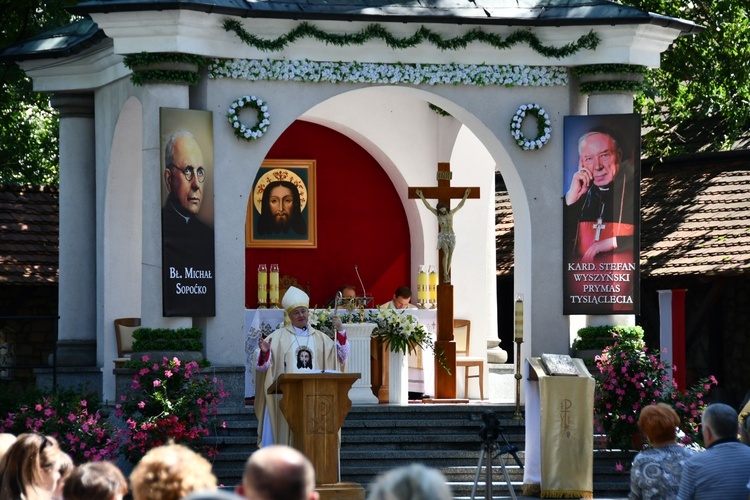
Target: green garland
x=598 y=69
x=146 y=59
x=437 y=109
x=376 y=31
x=611 y=86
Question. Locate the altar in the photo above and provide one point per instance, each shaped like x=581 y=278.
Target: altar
x=366 y=357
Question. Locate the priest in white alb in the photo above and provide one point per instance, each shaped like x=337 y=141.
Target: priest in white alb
x=297 y=347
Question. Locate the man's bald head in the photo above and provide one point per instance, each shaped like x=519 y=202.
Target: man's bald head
x=279 y=473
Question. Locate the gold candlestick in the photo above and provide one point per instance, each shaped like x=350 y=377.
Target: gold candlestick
x=274 y=290
x=262 y=286
x=421 y=286
x=518 y=337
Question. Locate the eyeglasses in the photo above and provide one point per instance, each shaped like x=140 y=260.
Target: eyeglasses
x=189 y=172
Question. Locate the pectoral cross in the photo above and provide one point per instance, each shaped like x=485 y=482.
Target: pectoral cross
x=445 y=383
x=598 y=226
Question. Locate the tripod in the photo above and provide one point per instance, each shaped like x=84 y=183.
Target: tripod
x=490 y=446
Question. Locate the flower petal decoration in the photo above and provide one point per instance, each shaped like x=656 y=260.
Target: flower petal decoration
x=543 y=126
x=241 y=131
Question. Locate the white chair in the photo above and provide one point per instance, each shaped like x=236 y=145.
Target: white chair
x=462 y=336
x=124 y=328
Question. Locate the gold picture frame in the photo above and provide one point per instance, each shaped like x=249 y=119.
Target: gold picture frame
x=282 y=208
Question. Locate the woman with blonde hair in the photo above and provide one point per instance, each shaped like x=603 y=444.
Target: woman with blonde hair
x=171 y=472
x=30 y=469
x=656 y=472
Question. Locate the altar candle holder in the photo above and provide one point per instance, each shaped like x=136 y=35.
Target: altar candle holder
x=274 y=289
x=433 y=279
x=262 y=286
x=422 y=287
x=518 y=337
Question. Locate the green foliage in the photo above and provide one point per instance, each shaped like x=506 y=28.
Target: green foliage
x=599 y=337
x=142 y=74
x=167 y=339
x=376 y=31
x=28 y=124
x=700 y=97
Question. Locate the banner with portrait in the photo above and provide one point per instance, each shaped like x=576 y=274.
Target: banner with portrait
x=601 y=214
x=281 y=209
x=187 y=215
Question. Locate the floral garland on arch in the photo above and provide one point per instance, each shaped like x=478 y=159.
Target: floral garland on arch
x=307 y=71
x=241 y=130
x=543 y=126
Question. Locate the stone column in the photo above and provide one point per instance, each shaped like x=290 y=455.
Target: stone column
x=76 y=344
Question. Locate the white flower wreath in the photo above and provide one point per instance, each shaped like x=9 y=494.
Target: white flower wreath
x=242 y=131
x=543 y=126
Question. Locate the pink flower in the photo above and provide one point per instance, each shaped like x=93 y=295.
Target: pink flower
x=145 y=358
x=141 y=404
x=619 y=467
x=38 y=407
x=168 y=373
x=157 y=382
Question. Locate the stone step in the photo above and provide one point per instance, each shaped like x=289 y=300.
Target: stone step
x=377 y=438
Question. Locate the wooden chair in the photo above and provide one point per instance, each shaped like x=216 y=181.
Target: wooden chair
x=462 y=336
x=285 y=281
x=124 y=328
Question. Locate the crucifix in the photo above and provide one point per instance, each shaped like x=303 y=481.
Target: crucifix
x=598 y=226
x=445 y=383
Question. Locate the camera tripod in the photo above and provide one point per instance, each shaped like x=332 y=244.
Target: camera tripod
x=489 y=447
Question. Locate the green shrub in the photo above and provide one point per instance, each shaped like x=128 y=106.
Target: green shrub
x=167 y=339
x=600 y=337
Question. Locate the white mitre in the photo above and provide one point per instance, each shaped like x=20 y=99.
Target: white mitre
x=294 y=297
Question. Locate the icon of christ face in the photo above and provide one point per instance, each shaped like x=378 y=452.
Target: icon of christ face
x=304 y=359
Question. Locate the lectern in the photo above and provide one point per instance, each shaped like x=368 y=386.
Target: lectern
x=315 y=406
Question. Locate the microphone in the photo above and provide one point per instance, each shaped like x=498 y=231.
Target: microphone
x=356 y=270
x=337 y=301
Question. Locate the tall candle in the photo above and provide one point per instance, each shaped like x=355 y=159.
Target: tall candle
x=421 y=285
x=518 y=320
x=433 y=285
x=274 y=285
x=262 y=286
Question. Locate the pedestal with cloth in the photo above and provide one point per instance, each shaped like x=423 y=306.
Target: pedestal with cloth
x=559 y=428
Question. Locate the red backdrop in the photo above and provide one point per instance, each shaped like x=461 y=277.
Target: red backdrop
x=361 y=222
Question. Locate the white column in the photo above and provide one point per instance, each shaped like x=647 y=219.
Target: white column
x=358 y=335
x=76 y=345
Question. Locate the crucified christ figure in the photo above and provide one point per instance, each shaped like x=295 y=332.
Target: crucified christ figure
x=446 y=236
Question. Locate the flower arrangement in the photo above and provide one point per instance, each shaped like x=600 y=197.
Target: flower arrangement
x=388 y=73
x=72 y=418
x=543 y=126
x=630 y=378
x=169 y=400
x=242 y=131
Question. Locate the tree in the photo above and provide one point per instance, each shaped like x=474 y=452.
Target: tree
x=28 y=124
x=699 y=100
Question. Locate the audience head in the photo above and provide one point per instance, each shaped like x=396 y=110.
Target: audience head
x=65 y=465
x=278 y=473
x=6 y=441
x=170 y=472
x=659 y=424
x=412 y=482
x=30 y=467
x=719 y=421
x=745 y=430
x=100 y=480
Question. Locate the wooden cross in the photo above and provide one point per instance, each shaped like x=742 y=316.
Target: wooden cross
x=445 y=383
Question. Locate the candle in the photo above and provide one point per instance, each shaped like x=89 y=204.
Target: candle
x=433 y=285
x=518 y=321
x=262 y=286
x=274 y=285
x=422 y=285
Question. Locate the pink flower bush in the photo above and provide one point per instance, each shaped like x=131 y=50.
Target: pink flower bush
x=71 y=418
x=170 y=400
x=630 y=377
